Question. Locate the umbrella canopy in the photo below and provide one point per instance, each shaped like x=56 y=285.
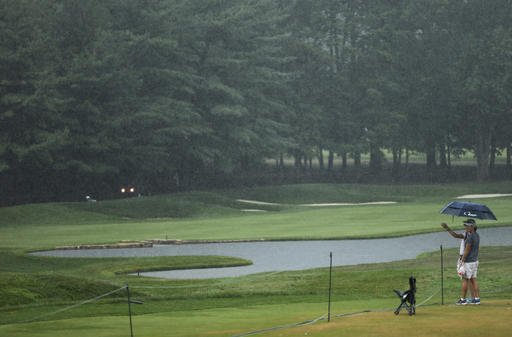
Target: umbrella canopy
x=469 y=210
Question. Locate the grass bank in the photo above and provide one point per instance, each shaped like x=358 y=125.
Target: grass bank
x=219 y=216
x=226 y=307
x=35 y=290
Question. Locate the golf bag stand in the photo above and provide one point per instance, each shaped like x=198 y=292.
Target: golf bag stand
x=407 y=298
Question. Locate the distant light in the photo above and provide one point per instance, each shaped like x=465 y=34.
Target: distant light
x=123 y=190
x=132 y=190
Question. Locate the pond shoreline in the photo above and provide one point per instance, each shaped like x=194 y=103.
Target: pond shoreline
x=151 y=242
x=276 y=256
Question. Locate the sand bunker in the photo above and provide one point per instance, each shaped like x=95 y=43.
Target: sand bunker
x=255 y=202
x=480 y=196
x=350 y=204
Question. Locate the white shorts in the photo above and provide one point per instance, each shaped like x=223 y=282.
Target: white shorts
x=470 y=270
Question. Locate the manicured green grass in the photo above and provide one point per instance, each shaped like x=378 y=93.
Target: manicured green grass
x=40 y=287
x=487 y=320
x=29 y=279
x=218 y=216
x=227 y=307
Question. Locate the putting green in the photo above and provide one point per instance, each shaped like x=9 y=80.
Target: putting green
x=489 y=319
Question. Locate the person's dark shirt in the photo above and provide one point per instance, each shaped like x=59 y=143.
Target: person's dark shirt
x=474 y=240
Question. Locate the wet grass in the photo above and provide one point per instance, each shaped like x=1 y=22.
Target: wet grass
x=218 y=215
x=224 y=307
x=32 y=287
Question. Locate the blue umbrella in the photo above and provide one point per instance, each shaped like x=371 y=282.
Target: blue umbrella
x=468 y=210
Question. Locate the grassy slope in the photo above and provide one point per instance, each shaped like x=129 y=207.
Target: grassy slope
x=30 y=279
x=217 y=215
x=230 y=306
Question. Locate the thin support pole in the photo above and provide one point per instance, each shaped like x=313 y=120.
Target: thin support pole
x=129 y=309
x=442 y=276
x=330 y=288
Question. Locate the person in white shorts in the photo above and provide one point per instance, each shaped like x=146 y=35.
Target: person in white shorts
x=467 y=266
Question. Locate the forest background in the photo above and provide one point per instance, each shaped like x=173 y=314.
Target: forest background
x=181 y=94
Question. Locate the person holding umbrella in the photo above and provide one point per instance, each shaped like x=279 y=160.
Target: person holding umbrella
x=469 y=255
x=468 y=261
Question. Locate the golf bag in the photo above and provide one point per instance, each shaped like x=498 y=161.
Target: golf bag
x=408 y=298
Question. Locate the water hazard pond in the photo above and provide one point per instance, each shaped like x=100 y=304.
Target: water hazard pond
x=275 y=256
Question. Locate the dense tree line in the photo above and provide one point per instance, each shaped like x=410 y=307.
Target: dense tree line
x=99 y=93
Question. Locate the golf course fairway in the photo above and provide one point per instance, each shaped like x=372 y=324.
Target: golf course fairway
x=61 y=297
